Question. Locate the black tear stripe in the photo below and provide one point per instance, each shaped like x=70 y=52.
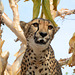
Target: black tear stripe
x=36 y=32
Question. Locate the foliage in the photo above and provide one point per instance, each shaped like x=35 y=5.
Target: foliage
x=47 y=12
x=45 y=9
x=36 y=8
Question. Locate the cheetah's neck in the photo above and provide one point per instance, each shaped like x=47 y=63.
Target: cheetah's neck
x=44 y=54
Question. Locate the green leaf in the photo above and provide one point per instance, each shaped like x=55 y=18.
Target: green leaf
x=36 y=8
x=47 y=12
x=66 y=73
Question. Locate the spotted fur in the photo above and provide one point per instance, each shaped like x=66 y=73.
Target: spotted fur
x=39 y=57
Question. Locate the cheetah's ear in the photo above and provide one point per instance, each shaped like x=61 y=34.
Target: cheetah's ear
x=24 y=26
x=56 y=29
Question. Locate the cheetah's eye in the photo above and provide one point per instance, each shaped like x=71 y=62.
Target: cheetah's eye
x=35 y=24
x=50 y=27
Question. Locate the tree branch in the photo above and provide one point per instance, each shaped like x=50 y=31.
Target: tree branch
x=3 y=55
x=3 y=61
x=63 y=61
x=63 y=12
x=14 y=25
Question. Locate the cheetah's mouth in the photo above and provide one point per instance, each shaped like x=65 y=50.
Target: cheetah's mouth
x=40 y=40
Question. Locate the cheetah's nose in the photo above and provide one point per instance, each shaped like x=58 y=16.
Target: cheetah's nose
x=42 y=34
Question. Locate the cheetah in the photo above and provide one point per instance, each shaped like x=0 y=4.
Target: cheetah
x=39 y=56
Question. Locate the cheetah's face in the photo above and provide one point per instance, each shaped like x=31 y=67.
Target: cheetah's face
x=43 y=31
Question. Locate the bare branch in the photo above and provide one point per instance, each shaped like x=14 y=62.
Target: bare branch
x=14 y=25
x=6 y=20
x=63 y=12
x=3 y=55
x=3 y=61
x=63 y=61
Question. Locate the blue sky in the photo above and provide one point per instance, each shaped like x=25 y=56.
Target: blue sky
x=60 y=43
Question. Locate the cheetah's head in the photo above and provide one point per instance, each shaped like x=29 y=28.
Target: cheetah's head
x=41 y=31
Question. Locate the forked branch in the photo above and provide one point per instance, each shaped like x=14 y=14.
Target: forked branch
x=14 y=25
x=63 y=12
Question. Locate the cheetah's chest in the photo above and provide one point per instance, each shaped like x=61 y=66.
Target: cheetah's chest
x=36 y=68
x=43 y=64
x=36 y=65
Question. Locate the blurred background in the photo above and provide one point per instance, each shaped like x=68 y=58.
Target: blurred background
x=60 y=43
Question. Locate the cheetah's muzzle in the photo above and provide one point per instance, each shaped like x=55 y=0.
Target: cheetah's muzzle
x=40 y=40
